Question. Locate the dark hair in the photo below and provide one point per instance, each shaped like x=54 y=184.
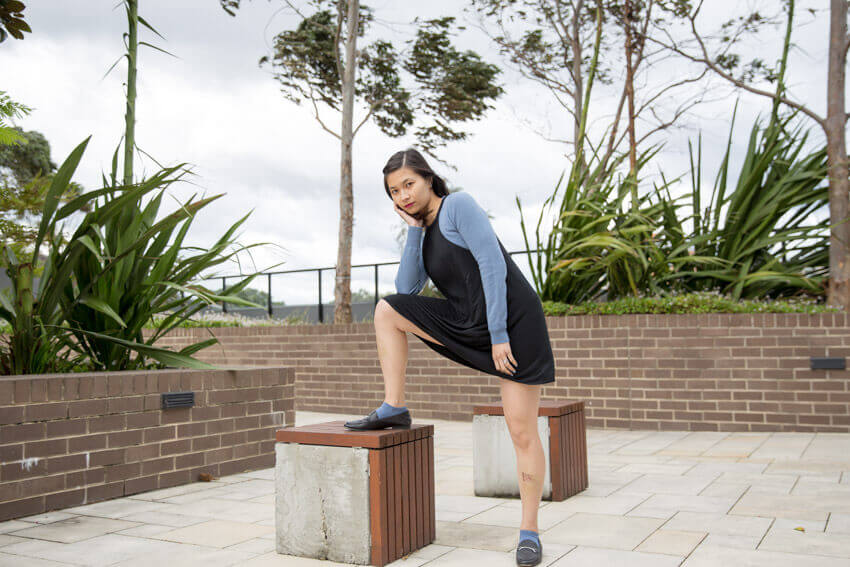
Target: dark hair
x=413 y=159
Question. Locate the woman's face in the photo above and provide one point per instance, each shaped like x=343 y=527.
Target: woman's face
x=409 y=190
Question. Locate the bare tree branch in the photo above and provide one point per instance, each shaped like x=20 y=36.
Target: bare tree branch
x=705 y=59
x=316 y=114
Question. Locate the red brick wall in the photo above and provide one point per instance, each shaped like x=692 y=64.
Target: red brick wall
x=713 y=372
x=71 y=439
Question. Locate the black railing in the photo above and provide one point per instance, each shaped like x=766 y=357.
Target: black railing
x=319 y=280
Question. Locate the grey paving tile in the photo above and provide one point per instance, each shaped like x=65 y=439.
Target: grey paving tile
x=511 y=516
x=97 y=551
x=798 y=525
x=784 y=446
x=807 y=543
x=669 y=484
x=188 y=556
x=601 y=530
x=7 y=560
x=13 y=525
x=119 y=507
x=656 y=468
x=651 y=444
x=715 y=468
x=431 y=551
x=475 y=536
x=838 y=524
x=738 y=445
x=671 y=542
x=785 y=506
x=49 y=517
x=731 y=541
x=215 y=533
x=695 y=443
x=6 y=539
x=708 y=556
x=720 y=524
x=173 y=491
x=829 y=447
x=257 y=546
x=686 y=503
x=163 y=518
x=618 y=503
x=828 y=469
x=76 y=528
x=586 y=556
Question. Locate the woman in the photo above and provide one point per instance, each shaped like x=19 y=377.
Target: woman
x=491 y=318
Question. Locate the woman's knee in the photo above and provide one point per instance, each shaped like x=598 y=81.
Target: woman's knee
x=383 y=312
x=523 y=434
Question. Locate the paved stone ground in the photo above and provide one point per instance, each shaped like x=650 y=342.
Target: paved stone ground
x=655 y=499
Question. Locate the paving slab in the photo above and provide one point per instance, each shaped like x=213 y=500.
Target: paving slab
x=602 y=530
x=215 y=533
x=7 y=560
x=101 y=550
x=704 y=556
x=720 y=524
x=77 y=528
x=807 y=543
x=785 y=506
x=838 y=524
x=671 y=542
x=585 y=556
x=476 y=536
x=508 y=516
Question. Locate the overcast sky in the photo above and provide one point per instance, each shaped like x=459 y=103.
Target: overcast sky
x=213 y=107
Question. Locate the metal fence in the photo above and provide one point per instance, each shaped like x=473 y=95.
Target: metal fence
x=320 y=306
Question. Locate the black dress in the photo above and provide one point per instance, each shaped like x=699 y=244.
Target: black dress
x=460 y=320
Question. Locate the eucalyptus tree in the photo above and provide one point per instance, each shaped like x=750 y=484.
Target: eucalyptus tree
x=12 y=20
x=319 y=62
x=722 y=60
x=551 y=42
x=26 y=171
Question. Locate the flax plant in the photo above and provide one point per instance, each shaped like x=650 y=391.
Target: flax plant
x=764 y=225
x=118 y=270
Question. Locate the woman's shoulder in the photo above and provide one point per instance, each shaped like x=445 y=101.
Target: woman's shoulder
x=461 y=202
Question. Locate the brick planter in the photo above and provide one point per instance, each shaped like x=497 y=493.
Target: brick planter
x=72 y=439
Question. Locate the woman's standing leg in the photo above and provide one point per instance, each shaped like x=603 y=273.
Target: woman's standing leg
x=521 y=403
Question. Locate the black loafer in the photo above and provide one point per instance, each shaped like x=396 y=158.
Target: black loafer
x=372 y=421
x=529 y=553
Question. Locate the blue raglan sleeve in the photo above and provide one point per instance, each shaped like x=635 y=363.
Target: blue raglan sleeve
x=411 y=275
x=472 y=224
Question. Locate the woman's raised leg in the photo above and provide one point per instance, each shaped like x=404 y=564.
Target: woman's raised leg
x=391 y=336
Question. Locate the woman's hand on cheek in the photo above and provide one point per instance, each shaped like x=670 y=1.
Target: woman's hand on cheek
x=410 y=220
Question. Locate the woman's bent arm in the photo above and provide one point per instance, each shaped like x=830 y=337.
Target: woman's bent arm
x=411 y=275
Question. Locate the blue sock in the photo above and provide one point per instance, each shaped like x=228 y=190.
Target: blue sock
x=529 y=534
x=387 y=410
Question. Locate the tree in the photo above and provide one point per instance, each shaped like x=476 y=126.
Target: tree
x=319 y=62
x=724 y=63
x=26 y=172
x=551 y=42
x=12 y=20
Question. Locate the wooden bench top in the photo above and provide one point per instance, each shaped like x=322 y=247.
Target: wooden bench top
x=334 y=433
x=547 y=408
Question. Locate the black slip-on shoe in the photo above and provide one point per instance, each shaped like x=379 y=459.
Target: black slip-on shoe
x=529 y=553
x=372 y=421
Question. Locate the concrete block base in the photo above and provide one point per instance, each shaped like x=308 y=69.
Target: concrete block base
x=494 y=457
x=322 y=502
